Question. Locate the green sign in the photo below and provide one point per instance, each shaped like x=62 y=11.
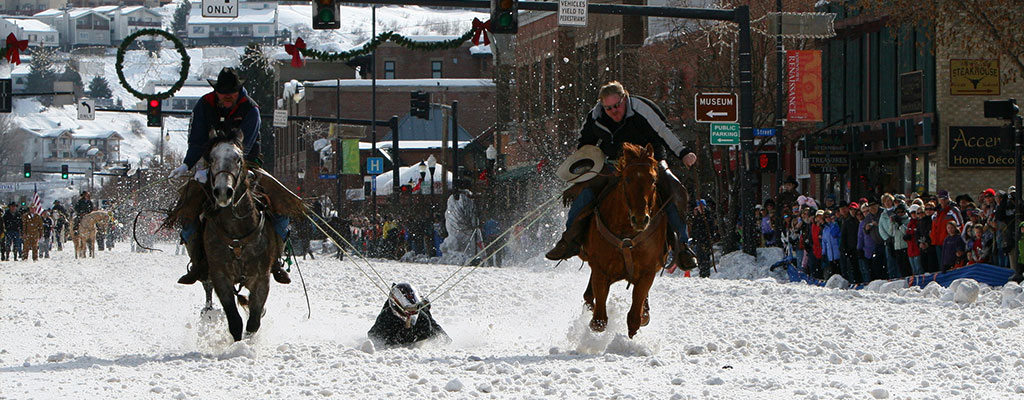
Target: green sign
x=725 y=134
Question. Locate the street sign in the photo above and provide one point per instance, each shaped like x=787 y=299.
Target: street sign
x=764 y=132
x=5 y=95
x=715 y=107
x=725 y=134
x=87 y=109
x=375 y=165
x=220 y=8
x=280 y=118
x=572 y=12
x=328 y=176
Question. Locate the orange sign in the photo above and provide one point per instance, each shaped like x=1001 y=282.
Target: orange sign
x=804 y=85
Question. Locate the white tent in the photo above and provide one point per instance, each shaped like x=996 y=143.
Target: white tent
x=411 y=175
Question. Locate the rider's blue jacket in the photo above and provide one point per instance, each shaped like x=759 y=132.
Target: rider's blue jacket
x=245 y=115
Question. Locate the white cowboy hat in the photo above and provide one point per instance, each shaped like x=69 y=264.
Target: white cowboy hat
x=582 y=165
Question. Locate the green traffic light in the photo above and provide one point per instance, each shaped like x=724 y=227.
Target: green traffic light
x=326 y=15
x=505 y=19
x=28 y=174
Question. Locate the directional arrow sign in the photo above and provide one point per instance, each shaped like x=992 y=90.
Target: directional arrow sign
x=87 y=110
x=715 y=107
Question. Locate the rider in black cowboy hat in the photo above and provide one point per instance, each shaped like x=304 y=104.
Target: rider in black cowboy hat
x=227 y=107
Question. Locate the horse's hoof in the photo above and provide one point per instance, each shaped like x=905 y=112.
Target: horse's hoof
x=598 y=326
x=645 y=319
x=633 y=333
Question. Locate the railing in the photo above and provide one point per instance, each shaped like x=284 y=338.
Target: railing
x=144 y=23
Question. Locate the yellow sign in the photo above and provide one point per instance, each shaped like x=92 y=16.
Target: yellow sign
x=974 y=77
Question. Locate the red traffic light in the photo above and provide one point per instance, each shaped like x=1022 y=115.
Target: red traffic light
x=763 y=160
x=154 y=103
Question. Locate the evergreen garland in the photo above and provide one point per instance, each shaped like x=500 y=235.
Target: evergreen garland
x=384 y=37
x=178 y=45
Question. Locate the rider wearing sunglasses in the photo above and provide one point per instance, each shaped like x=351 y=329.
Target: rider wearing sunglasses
x=620 y=118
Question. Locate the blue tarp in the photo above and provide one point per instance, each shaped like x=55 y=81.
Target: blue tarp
x=984 y=273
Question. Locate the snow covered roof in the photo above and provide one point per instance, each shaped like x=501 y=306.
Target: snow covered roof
x=73 y=13
x=85 y=134
x=410 y=175
x=187 y=91
x=429 y=82
x=414 y=128
x=32 y=25
x=104 y=9
x=245 y=16
x=410 y=144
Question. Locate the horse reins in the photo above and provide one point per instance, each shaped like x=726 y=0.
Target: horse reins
x=625 y=245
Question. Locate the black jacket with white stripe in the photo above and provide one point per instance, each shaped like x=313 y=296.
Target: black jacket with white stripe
x=643 y=124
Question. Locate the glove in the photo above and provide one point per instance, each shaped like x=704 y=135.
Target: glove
x=201 y=175
x=179 y=172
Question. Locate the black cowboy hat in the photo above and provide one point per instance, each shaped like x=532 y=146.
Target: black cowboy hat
x=791 y=179
x=227 y=82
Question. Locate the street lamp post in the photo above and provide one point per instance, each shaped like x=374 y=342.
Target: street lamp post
x=302 y=177
x=423 y=175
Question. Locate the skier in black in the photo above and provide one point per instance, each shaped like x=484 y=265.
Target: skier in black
x=402 y=323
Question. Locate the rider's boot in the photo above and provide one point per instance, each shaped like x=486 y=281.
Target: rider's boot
x=569 y=244
x=199 y=267
x=280 y=275
x=683 y=256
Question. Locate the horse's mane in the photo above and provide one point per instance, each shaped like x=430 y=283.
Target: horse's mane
x=218 y=136
x=632 y=153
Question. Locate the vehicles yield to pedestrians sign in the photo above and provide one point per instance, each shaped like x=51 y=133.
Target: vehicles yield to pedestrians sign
x=715 y=107
x=725 y=134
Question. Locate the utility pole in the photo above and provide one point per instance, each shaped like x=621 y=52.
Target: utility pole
x=780 y=109
x=747 y=189
x=373 y=110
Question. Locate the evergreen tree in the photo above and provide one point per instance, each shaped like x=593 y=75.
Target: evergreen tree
x=257 y=69
x=181 y=17
x=41 y=76
x=99 y=88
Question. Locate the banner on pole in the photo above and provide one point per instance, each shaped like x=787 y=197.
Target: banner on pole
x=350 y=159
x=804 y=85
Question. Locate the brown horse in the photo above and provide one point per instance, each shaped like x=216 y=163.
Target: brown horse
x=627 y=237
x=238 y=237
x=85 y=238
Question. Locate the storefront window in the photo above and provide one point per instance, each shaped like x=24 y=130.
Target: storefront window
x=932 y=173
x=908 y=174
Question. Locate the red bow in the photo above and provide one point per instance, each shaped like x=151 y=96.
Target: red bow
x=13 y=47
x=481 y=27
x=294 y=50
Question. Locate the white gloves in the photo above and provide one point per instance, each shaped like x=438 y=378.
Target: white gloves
x=179 y=172
x=201 y=175
x=689 y=159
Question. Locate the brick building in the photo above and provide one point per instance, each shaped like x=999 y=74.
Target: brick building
x=897 y=109
x=462 y=74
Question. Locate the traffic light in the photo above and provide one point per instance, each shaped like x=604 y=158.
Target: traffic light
x=64 y=171
x=768 y=161
x=154 y=114
x=504 y=16
x=28 y=170
x=419 y=105
x=326 y=13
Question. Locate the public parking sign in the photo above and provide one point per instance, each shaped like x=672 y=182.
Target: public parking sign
x=725 y=134
x=715 y=107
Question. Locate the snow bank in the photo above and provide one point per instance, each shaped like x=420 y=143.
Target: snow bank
x=739 y=265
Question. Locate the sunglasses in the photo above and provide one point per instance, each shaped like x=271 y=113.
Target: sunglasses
x=614 y=106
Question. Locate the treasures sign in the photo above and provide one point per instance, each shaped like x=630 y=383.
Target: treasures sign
x=827 y=154
x=974 y=77
x=979 y=147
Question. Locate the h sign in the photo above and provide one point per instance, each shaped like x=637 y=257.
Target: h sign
x=374 y=165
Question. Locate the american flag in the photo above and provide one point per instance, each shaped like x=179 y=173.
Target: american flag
x=37 y=207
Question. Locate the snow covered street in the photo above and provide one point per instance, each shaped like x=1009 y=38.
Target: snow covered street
x=118 y=326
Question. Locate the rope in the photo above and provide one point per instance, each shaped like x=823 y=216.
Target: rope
x=537 y=213
x=342 y=249
x=291 y=251
x=352 y=246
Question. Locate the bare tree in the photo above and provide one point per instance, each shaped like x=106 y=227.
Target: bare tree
x=10 y=148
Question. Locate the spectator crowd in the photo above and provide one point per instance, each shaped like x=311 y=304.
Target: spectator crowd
x=892 y=236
